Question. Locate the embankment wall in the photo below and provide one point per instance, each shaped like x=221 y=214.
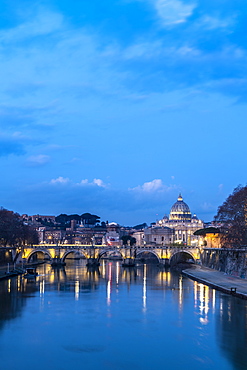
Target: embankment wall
x=230 y=261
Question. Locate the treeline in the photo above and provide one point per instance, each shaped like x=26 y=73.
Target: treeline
x=14 y=232
x=85 y=219
x=63 y=220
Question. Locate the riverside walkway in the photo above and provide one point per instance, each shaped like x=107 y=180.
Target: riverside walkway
x=218 y=280
x=10 y=270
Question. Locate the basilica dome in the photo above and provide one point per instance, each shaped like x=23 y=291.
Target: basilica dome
x=180 y=211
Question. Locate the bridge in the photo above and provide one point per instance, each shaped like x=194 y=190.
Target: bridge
x=166 y=255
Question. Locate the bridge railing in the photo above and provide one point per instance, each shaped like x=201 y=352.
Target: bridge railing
x=109 y=247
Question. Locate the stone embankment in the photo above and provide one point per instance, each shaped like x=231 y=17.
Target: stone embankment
x=218 y=280
x=230 y=260
x=10 y=271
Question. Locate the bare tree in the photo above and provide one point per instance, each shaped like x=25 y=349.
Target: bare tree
x=232 y=217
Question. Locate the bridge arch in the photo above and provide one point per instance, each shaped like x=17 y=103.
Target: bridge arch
x=182 y=256
x=77 y=252
x=105 y=251
x=138 y=254
x=44 y=252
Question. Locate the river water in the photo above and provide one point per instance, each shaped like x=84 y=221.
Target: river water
x=118 y=318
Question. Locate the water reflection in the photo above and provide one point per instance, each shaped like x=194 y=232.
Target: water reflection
x=232 y=330
x=144 y=287
x=163 y=308
x=13 y=296
x=109 y=284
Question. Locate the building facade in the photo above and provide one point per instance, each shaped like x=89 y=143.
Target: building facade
x=177 y=228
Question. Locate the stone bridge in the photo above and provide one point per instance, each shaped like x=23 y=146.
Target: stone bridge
x=166 y=255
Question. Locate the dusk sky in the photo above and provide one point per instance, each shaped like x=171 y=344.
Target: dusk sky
x=114 y=107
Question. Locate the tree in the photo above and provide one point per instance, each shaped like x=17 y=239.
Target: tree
x=10 y=227
x=29 y=236
x=232 y=217
x=75 y=217
x=62 y=219
x=132 y=240
x=86 y=218
x=89 y=219
x=127 y=239
x=12 y=230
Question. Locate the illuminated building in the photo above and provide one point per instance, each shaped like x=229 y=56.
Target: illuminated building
x=182 y=222
x=178 y=228
x=210 y=236
x=112 y=235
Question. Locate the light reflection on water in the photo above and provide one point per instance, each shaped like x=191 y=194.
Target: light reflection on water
x=118 y=318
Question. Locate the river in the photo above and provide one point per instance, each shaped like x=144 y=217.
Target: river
x=118 y=318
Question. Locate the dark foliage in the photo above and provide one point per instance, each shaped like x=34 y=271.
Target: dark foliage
x=127 y=239
x=13 y=231
x=86 y=218
x=62 y=219
x=89 y=219
x=232 y=217
x=29 y=236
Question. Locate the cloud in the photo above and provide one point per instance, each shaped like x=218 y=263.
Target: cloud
x=12 y=116
x=93 y=66
x=153 y=186
x=143 y=49
x=64 y=77
x=12 y=144
x=220 y=187
x=16 y=143
x=25 y=116
x=42 y=24
x=212 y=23
x=173 y=12
x=236 y=87
x=63 y=195
x=83 y=183
x=10 y=147
x=60 y=180
x=97 y=182
x=47 y=60
x=38 y=160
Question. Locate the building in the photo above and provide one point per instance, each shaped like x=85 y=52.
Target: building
x=182 y=222
x=36 y=220
x=76 y=233
x=210 y=237
x=113 y=234
x=159 y=235
x=177 y=228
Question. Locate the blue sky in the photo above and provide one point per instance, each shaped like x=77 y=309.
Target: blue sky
x=114 y=107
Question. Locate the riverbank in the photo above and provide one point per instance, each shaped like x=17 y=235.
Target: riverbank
x=11 y=270
x=6 y=274
x=218 y=280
